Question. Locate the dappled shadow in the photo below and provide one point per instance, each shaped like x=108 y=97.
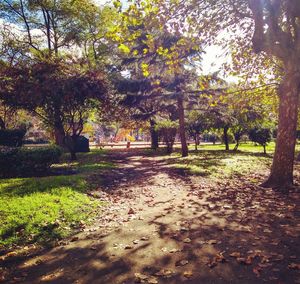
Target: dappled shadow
x=229 y=231
x=210 y=238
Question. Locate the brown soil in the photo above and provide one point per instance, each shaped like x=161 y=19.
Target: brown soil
x=166 y=227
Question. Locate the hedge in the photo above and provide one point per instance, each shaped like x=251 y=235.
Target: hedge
x=22 y=162
x=12 y=137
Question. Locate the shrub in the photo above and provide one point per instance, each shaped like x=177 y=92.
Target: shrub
x=20 y=162
x=12 y=137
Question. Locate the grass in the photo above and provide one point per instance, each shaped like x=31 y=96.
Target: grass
x=214 y=162
x=45 y=209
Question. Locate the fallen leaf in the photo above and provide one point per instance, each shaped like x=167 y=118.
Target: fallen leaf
x=183 y=262
x=11 y=254
x=188 y=274
x=184 y=229
x=220 y=257
x=139 y=277
x=173 y=250
x=131 y=211
x=187 y=240
x=294 y=266
x=152 y=280
x=165 y=273
x=256 y=271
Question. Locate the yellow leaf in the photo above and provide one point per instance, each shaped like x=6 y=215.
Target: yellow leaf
x=124 y=48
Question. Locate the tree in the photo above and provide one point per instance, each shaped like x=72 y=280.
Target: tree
x=274 y=28
x=197 y=122
x=167 y=130
x=56 y=92
x=48 y=25
x=261 y=136
x=281 y=40
x=157 y=52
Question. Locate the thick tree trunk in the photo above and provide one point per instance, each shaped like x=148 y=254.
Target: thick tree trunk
x=226 y=140
x=184 y=147
x=281 y=176
x=154 y=135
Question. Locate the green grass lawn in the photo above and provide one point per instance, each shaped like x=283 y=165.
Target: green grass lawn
x=244 y=147
x=45 y=209
x=214 y=162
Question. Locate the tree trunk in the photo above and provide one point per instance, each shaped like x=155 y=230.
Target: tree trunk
x=196 y=142
x=70 y=143
x=59 y=134
x=265 y=152
x=154 y=135
x=225 y=133
x=184 y=147
x=236 y=146
x=2 y=124
x=281 y=176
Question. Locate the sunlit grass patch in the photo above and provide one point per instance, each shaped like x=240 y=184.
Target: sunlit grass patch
x=45 y=209
x=96 y=166
x=212 y=161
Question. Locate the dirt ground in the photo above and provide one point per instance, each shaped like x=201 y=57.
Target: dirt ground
x=163 y=226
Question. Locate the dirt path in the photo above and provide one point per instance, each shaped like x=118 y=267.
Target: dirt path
x=165 y=227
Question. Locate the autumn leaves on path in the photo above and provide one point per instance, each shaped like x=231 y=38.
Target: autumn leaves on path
x=163 y=226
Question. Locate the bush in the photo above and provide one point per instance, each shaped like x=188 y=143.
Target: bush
x=12 y=137
x=36 y=141
x=21 y=162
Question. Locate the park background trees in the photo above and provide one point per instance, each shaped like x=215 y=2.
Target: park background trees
x=161 y=44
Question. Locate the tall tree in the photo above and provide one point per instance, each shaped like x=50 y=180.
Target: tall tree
x=277 y=33
x=273 y=27
x=156 y=49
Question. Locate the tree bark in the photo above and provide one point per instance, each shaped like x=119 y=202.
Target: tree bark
x=184 y=147
x=226 y=140
x=59 y=134
x=281 y=176
x=2 y=124
x=154 y=135
x=236 y=146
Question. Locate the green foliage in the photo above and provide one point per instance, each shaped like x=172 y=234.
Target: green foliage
x=12 y=137
x=16 y=162
x=167 y=130
x=261 y=136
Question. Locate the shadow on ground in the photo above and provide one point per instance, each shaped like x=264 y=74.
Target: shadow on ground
x=183 y=228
